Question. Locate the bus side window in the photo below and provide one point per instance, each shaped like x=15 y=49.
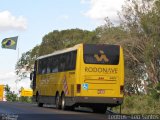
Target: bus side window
x=67 y=61
x=73 y=60
x=49 y=64
x=39 y=67
x=34 y=75
x=35 y=66
x=34 y=79
x=61 y=65
x=43 y=66
x=55 y=64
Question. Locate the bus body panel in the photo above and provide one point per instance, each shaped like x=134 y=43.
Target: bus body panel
x=86 y=84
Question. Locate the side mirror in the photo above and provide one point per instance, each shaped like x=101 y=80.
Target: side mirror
x=31 y=76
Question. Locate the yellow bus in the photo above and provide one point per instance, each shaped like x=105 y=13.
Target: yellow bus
x=88 y=75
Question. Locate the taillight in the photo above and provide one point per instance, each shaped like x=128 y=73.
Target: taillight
x=78 y=88
x=121 y=89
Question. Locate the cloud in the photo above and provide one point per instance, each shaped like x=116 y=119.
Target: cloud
x=10 y=22
x=6 y=76
x=100 y=9
x=10 y=79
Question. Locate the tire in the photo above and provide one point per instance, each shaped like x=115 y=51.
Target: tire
x=57 y=101
x=63 y=102
x=38 y=103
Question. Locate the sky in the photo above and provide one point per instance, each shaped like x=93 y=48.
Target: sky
x=30 y=20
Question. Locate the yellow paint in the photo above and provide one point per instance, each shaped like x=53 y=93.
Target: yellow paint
x=1 y=92
x=102 y=57
x=26 y=92
x=98 y=77
x=11 y=44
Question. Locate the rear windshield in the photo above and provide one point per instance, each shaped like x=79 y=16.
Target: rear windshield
x=101 y=54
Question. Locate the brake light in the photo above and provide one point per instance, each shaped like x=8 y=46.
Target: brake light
x=121 y=89
x=78 y=88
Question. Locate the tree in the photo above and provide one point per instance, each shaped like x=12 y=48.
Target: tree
x=51 y=42
x=57 y=40
x=24 y=66
x=10 y=95
x=138 y=33
x=141 y=20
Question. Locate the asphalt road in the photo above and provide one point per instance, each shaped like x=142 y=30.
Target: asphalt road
x=25 y=111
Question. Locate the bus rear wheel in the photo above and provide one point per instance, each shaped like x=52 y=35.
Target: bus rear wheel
x=39 y=104
x=57 y=101
x=63 y=107
x=63 y=103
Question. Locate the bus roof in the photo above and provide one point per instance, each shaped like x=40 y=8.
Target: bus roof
x=60 y=51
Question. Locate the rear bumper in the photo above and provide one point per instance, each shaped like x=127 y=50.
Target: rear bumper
x=108 y=101
x=98 y=100
x=83 y=100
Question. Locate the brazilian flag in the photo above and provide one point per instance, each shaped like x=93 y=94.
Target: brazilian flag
x=10 y=43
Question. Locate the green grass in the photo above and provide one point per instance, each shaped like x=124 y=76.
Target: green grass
x=139 y=104
x=25 y=99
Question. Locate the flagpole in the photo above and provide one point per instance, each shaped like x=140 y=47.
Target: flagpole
x=17 y=62
x=18 y=55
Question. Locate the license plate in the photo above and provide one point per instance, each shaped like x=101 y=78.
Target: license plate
x=101 y=91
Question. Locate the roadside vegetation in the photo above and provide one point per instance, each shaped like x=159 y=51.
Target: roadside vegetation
x=11 y=96
x=138 y=33
x=139 y=104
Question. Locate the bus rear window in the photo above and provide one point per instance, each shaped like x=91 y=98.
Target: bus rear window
x=101 y=54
